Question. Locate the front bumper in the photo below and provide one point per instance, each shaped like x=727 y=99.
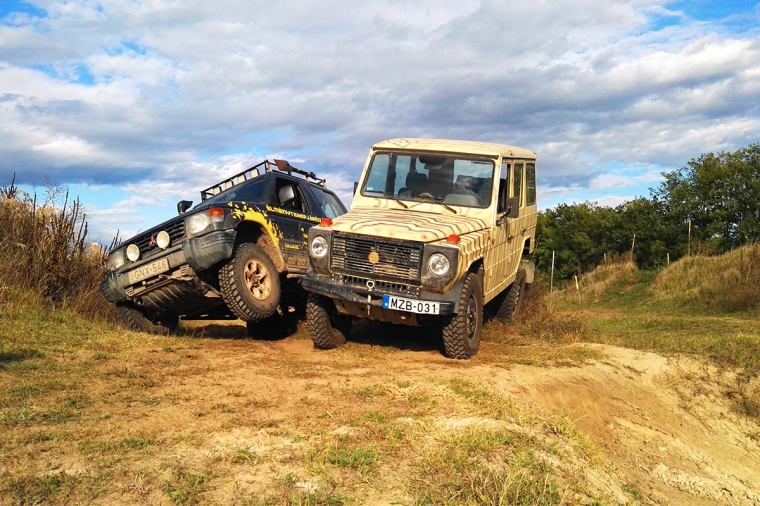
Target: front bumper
x=365 y=298
x=199 y=253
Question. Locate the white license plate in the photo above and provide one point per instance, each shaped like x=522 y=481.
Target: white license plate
x=147 y=271
x=411 y=306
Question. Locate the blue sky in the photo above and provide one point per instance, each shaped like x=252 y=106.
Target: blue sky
x=136 y=104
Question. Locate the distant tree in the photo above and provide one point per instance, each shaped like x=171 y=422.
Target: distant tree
x=720 y=194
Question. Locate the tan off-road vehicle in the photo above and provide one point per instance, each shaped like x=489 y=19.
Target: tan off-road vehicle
x=437 y=229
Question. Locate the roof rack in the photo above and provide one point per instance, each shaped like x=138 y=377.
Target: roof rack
x=254 y=172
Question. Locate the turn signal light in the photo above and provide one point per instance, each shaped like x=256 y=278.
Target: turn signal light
x=326 y=222
x=453 y=238
x=216 y=211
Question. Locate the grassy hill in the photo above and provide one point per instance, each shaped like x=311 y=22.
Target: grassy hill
x=700 y=305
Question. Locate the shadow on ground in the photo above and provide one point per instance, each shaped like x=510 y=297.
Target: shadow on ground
x=365 y=332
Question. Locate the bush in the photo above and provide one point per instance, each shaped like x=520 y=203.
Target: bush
x=43 y=250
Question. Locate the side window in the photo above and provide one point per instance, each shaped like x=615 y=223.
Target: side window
x=288 y=195
x=517 y=188
x=328 y=203
x=503 y=185
x=530 y=183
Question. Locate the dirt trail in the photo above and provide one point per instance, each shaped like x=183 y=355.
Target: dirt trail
x=662 y=422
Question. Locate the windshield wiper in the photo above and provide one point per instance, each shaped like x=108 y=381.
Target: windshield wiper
x=388 y=196
x=439 y=201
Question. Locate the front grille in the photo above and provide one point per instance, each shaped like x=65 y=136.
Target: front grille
x=398 y=260
x=383 y=287
x=176 y=231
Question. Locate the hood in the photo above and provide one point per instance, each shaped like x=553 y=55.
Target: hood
x=405 y=225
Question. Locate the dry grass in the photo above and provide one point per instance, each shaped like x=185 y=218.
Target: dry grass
x=43 y=250
x=595 y=283
x=720 y=284
x=96 y=415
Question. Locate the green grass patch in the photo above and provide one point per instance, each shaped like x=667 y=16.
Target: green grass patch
x=187 y=488
x=359 y=458
x=29 y=490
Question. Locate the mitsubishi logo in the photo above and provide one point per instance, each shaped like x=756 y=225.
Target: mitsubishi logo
x=152 y=241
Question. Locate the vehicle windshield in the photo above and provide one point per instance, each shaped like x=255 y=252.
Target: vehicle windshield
x=452 y=180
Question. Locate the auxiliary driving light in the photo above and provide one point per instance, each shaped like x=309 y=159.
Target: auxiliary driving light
x=133 y=252
x=163 y=239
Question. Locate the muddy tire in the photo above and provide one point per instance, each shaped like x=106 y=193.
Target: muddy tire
x=461 y=333
x=512 y=301
x=250 y=284
x=327 y=328
x=136 y=320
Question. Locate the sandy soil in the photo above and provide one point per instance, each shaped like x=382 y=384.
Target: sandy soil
x=662 y=422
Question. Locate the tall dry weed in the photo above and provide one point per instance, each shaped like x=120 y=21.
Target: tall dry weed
x=724 y=283
x=43 y=249
x=537 y=319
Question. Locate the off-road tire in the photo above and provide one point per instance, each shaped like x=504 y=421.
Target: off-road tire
x=512 y=302
x=461 y=333
x=136 y=320
x=236 y=293
x=327 y=328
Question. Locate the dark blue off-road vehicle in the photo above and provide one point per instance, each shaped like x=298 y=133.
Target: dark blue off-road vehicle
x=240 y=253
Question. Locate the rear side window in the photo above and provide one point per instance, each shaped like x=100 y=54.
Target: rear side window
x=328 y=202
x=517 y=188
x=530 y=183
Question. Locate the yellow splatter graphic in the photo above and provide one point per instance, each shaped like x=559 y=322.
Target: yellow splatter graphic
x=245 y=213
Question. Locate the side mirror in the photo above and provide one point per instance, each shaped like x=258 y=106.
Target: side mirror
x=356 y=185
x=513 y=207
x=183 y=205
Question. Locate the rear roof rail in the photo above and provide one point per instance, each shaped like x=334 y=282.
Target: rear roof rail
x=253 y=172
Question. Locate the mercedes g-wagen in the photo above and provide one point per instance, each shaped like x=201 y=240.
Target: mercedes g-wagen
x=437 y=229
x=240 y=253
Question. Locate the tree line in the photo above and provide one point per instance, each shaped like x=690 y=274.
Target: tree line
x=719 y=195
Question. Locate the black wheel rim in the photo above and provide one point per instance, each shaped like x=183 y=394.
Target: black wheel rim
x=472 y=318
x=517 y=299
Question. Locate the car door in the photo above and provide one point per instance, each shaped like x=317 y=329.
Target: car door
x=498 y=259
x=291 y=208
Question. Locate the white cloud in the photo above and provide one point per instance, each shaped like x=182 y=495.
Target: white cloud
x=152 y=96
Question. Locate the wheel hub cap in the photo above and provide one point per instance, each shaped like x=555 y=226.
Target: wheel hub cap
x=257 y=279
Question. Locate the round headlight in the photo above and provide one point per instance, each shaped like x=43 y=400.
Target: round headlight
x=163 y=239
x=439 y=264
x=319 y=246
x=116 y=259
x=197 y=222
x=133 y=252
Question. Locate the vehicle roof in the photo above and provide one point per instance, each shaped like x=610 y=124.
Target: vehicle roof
x=453 y=146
